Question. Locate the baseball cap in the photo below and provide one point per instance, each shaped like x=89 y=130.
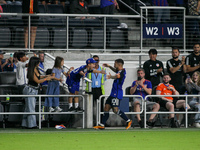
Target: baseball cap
x=1 y=52
x=90 y=60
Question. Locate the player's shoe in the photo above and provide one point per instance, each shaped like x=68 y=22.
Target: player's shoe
x=129 y=123
x=100 y=126
x=51 y=109
x=78 y=109
x=58 y=109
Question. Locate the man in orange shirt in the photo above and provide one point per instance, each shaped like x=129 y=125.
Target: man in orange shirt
x=169 y=102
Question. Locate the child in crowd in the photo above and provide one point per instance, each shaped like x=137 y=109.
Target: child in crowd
x=73 y=81
x=54 y=86
x=21 y=69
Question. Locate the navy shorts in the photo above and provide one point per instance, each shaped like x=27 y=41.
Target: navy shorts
x=113 y=102
x=72 y=85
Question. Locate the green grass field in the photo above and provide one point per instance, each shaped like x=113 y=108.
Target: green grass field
x=108 y=139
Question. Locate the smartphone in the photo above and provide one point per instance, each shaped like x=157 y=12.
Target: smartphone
x=188 y=76
x=11 y=55
x=139 y=78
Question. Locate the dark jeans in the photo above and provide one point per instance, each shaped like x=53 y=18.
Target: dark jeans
x=108 y=9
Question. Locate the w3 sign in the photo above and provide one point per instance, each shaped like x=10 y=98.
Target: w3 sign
x=172 y=31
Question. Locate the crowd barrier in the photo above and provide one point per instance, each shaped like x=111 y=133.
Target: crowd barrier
x=40 y=113
x=143 y=110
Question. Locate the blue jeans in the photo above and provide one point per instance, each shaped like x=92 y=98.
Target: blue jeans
x=29 y=120
x=52 y=89
x=194 y=104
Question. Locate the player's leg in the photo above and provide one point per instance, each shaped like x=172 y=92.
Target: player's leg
x=115 y=103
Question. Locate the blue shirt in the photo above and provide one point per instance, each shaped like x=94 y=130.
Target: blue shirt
x=57 y=72
x=160 y=2
x=96 y=78
x=74 y=75
x=117 y=90
x=139 y=90
x=41 y=65
x=105 y=3
x=7 y=67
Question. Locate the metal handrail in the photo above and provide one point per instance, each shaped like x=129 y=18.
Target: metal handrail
x=43 y=113
x=129 y=7
x=180 y=112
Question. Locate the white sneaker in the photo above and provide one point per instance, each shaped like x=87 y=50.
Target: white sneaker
x=51 y=109
x=58 y=109
x=197 y=125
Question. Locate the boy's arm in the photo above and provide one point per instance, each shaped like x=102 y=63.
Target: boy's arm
x=97 y=71
x=113 y=77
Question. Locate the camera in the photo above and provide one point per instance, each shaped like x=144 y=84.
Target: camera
x=139 y=78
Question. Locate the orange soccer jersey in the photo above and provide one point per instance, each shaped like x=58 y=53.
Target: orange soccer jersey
x=164 y=91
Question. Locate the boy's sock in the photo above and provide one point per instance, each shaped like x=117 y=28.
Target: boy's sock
x=70 y=105
x=76 y=105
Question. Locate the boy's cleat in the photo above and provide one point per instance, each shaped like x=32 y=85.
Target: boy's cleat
x=100 y=126
x=128 y=124
x=71 y=109
x=51 y=109
x=78 y=109
x=58 y=109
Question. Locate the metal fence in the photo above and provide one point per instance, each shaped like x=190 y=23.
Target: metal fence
x=144 y=110
x=40 y=113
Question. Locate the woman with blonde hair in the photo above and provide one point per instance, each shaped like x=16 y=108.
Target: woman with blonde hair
x=193 y=87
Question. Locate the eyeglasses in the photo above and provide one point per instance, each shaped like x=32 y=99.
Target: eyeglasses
x=97 y=60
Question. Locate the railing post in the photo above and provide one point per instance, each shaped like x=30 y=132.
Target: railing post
x=67 y=33
x=40 y=124
x=145 y=116
x=29 y=33
x=186 y=110
x=141 y=27
x=104 y=35
x=184 y=30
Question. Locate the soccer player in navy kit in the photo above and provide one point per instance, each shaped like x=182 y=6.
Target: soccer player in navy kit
x=113 y=101
x=73 y=81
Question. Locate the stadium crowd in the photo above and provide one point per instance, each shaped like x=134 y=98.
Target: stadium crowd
x=179 y=77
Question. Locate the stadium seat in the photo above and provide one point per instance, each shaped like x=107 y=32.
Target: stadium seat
x=116 y=38
x=55 y=9
x=59 y=37
x=5 y=37
x=92 y=23
x=75 y=23
x=6 y=8
x=41 y=8
x=8 y=78
x=42 y=37
x=112 y=22
x=19 y=37
x=79 y=38
x=97 y=38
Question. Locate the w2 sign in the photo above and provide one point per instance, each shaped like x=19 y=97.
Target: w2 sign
x=172 y=31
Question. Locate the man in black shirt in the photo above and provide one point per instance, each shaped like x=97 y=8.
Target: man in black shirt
x=176 y=68
x=153 y=68
x=192 y=60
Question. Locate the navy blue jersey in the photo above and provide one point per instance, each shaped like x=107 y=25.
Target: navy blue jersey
x=117 y=91
x=74 y=75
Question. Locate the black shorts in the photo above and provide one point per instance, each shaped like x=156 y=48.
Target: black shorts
x=34 y=21
x=113 y=102
x=164 y=102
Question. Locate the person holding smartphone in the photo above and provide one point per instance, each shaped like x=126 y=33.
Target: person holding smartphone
x=143 y=87
x=6 y=64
